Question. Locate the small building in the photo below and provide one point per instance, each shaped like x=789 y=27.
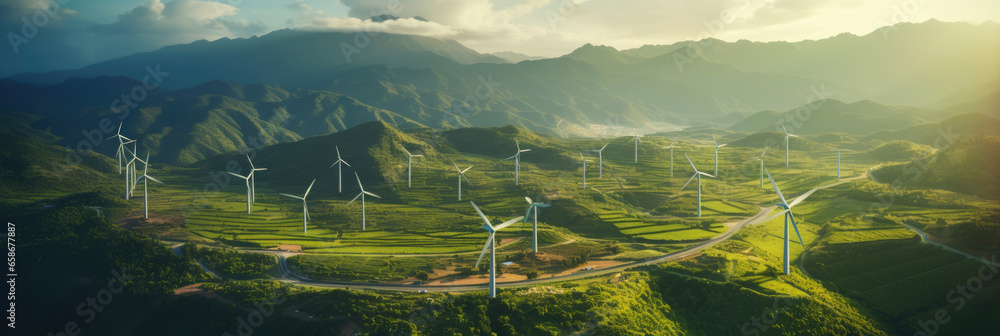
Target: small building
x=289 y=248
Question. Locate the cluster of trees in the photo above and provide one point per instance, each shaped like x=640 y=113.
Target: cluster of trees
x=230 y=263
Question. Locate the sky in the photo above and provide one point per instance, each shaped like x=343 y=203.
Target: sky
x=47 y=35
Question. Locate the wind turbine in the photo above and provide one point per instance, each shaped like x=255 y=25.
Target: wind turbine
x=787 y=135
x=409 y=164
x=247 y=178
x=145 y=188
x=761 y=158
x=491 y=245
x=305 y=208
x=788 y=216
x=340 y=165
x=583 y=160
x=636 y=145
x=672 y=157
x=517 y=160
x=838 y=159
x=253 y=184
x=362 y=195
x=717 y=146
x=122 y=141
x=697 y=174
x=461 y=173
x=534 y=228
x=130 y=170
x=600 y=157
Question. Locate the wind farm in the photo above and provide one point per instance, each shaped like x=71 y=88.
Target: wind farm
x=226 y=238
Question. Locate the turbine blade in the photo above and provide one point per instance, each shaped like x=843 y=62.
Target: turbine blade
x=782 y=197
x=485 y=247
x=765 y=152
x=355 y=198
x=691 y=162
x=605 y=146
x=251 y=161
x=291 y=196
x=801 y=198
x=672 y=143
x=528 y=199
x=707 y=174
x=508 y=223
x=237 y=175
x=359 y=181
x=782 y=212
x=309 y=189
x=345 y=162
x=153 y=179
x=338 y=151
x=784 y=129
x=510 y=158
x=480 y=212
x=371 y=194
x=722 y=145
x=404 y=150
x=689 y=181
x=796 y=227
x=466 y=169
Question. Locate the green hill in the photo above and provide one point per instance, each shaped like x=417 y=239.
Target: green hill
x=970 y=165
x=942 y=133
x=776 y=140
x=30 y=164
x=899 y=150
x=831 y=115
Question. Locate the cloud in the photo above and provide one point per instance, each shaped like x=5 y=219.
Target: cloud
x=180 y=21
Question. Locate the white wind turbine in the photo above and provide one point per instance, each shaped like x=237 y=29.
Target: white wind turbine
x=340 y=165
x=672 y=157
x=461 y=173
x=583 y=160
x=362 y=195
x=787 y=136
x=122 y=141
x=532 y=206
x=305 y=208
x=253 y=183
x=130 y=172
x=788 y=217
x=145 y=188
x=409 y=164
x=491 y=245
x=517 y=160
x=697 y=174
x=247 y=178
x=717 y=146
x=838 y=159
x=761 y=159
x=636 y=145
x=600 y=158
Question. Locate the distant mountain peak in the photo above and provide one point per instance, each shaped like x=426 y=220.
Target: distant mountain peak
x=388 y=17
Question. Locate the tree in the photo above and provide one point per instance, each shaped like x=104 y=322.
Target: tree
x=531 y=274
x=340 y=233
x=421 y=275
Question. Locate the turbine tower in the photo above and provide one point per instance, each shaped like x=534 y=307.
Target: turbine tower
x=247 y=178
x=145 y=188
x=583 y=160
x=253 y=183
x=362 y=195
x=672 y=157
x=838 y=159
x=534 y=228
x=788 y=217
x=697 y=174
x=761 y=159
x=600 y=158
x=340 y=165
x=636 y=145
x=717 y=146
x=517 y=160
x=461 y=173
x=491 y=245
x=787 y=136
x=305 y=208
x=409 y=164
